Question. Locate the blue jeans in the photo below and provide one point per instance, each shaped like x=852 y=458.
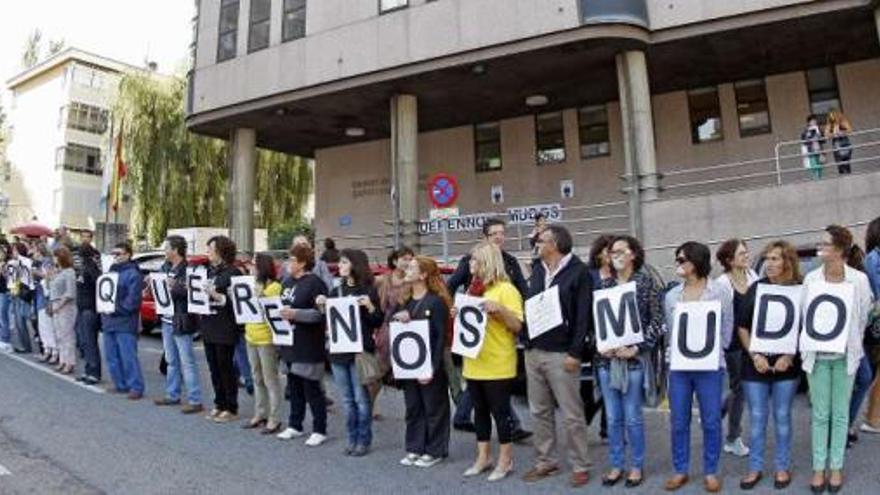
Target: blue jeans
x=87 y=325
x=758 y=396
x=682 y=386
x=861 y=386
x=120 y=349
x=242 y=364
x=181 y=360
x=625 y=411
x=22 y=314
x=5 y=334
x=357 y=403
x=465 y=408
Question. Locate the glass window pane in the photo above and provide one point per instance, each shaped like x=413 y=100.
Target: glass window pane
x=705 y=115
x=822 y=78
x=753 y=111
x=386 y=5
x=259 y=36
x=227 y=46
x=550 y=138
x=488 y=132
x=487 y=137
x=593 y=115
x=229 y=18
x=294 y=26
x=260 y=10
x=294 y=5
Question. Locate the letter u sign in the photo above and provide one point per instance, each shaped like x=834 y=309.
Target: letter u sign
x=696 y=336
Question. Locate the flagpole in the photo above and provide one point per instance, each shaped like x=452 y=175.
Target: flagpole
x=110 y=155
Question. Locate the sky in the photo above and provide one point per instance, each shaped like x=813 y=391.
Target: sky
x=126 y=30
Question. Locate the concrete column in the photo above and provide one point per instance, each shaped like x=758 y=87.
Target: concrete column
x=405 y=166
x=243 y=154
x=633 y=82
x=877 y=20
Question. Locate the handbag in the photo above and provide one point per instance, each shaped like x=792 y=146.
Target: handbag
x=368 y=368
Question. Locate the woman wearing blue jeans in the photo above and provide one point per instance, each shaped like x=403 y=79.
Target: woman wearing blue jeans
x=694 y=265
x=622 y=371
x=769 y=380
x=354 y=269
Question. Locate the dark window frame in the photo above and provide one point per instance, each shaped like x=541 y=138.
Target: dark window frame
x=383 y=10
x=232 y=32
x=694 y=130
x=539 y=160
x=82 y=116
x=758 y=131
x=810 y=92
x=64 y=159
x=253 y=24
x=591 y=127
x=287 y=11
x=479 y=166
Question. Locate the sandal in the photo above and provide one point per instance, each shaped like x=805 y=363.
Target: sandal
x=607 y=480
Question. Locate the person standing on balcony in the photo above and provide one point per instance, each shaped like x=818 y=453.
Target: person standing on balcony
x=831 y=375
x=837 y=129
x=812 y=142
x=733 y=255
x=872 y=269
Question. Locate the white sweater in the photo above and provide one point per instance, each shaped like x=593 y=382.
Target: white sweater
x=861 y=310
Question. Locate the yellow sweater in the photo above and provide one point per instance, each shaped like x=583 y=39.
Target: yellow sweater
x=260 y=333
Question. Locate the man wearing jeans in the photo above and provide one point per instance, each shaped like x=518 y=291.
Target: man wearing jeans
x=177 y=339
x=121 y=326
x=553 y=358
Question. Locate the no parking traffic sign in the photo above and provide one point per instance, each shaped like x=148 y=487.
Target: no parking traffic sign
x=442 y=190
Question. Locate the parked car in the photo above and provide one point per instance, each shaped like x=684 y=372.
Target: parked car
x=149 y=263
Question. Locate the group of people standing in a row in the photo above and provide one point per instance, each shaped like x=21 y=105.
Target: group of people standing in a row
x=837 y=130
x=627 y=376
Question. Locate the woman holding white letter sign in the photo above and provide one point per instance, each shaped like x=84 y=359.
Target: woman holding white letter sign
x=700 y=314
x=769 y=312
x=490 y=374
x=838 y=300
x=623 y=370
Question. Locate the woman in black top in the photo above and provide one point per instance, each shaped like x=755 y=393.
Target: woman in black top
x=220 y=331
x=357 y=281
x=427 y=402
x=769 y=377
x=305 y=359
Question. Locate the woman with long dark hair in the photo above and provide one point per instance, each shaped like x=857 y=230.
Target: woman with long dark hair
x=427 y=402
x=352 y=372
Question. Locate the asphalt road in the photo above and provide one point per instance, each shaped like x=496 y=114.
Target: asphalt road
x=60 y=437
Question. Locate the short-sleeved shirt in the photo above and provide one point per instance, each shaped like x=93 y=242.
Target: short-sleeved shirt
x=497 y=358
x=259 y=333
x=744 y=319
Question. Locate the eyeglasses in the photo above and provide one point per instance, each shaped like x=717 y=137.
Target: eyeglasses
x=680 y=260
x=620 y=254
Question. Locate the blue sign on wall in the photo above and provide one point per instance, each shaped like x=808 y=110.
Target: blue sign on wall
x=345 y=221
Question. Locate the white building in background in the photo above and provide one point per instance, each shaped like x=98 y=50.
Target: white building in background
x=60 y=140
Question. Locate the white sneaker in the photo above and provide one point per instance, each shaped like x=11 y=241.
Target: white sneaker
x=737 y=448
x=316 y=439
x=288 y=434
x=4 y=347
x=867 y=428
x=409 y=460
x=427 y=461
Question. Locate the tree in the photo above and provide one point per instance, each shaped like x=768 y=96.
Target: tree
x=178 y=179
x=56 y=46
x=31 y=54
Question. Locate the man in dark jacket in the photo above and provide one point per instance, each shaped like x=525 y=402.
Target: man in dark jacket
x=88 y=324
x=553 y=358
x=493 y=231
x=177 y=333
x=121 y=327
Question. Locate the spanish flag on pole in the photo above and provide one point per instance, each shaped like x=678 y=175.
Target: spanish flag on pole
x=120 y=170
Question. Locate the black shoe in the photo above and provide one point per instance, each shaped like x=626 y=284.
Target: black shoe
x=520 y=435
x=748 y=485
x=81 y=378
x=360 y=451
x=91 y=380
x=609 y=481
x=851 y=439
x=817 y=488
x=834 y=488
x=633 y=483
x=469 y=427
x=782 y=485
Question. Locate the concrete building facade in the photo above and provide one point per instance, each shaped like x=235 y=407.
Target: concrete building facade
x=672 y=119
x=60 y=140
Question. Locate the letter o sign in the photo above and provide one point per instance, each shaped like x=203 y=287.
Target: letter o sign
x=420 y=345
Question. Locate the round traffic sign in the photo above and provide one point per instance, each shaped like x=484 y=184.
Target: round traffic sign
x=442 y=190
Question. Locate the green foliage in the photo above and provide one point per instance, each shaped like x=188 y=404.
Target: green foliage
x=31 y=54
x=179 y=179
x=282 y=234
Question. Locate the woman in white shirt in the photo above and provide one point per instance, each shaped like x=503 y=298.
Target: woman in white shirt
x=831 y=375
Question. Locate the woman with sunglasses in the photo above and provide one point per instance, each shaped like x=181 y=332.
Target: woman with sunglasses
x=694 y=264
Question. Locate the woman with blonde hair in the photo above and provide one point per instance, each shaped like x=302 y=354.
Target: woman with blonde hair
x=490 y=375
x=837 y=129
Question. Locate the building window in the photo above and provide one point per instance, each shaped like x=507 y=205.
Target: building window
x=550 y=133
x=487 y=142
x=88 y=118
x=752 y=107
x=78 y=158
x=294 y=25
x=228 y=39
x=258 y=34
x=705 y=113
x=389 y=5
x=824 y=97
x=593 y=131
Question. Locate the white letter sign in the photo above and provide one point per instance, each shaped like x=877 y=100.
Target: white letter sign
x=26 y=272
x=411 y=350
x=469 y=331
x=245 y=303
x=696 y=336
x=106 y=288
x=161 y=294
x=616 y=315
x=344 y=325
x=196 y=297
x=827 y=315
x=282 y=331
x=776 y=319
x=543 y=312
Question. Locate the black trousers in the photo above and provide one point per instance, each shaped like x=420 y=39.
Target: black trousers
x=88 y=323
x=220 y=362
x=427 y=416
x=593 y=406
x=492 y=400
x=304 y=391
